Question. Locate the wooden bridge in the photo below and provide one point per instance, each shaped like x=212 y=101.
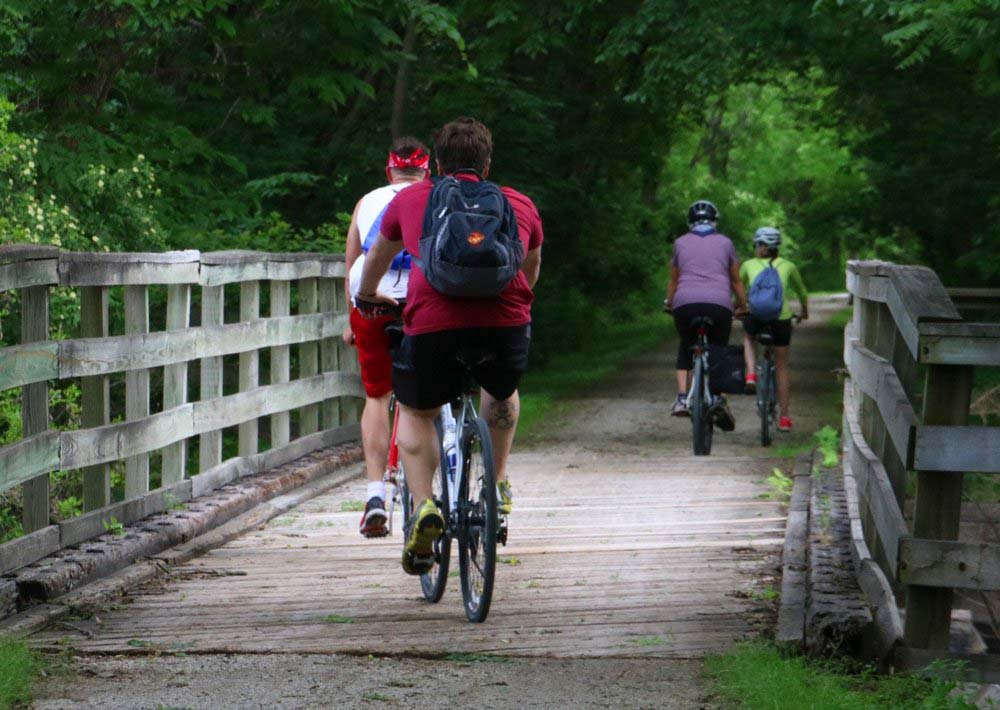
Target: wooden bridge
x=622 y=546
x=906 y=332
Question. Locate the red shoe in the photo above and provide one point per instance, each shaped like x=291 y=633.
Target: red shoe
x=750 y=384
x=785 y=424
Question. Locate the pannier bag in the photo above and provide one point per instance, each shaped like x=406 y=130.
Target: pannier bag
x=469 y=247
x=726 y=370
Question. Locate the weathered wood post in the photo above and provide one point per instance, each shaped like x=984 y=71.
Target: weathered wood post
x=938 y=506
x=136 y=389
x=35 y=405
x=350 y=411
x=308 y=355
x=280 y=359
x=94 y=389
x=175 y=381
x=212 y=311
x=249 y=365
x=329 y=352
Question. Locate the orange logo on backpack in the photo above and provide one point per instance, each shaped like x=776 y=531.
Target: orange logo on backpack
x=476 y=238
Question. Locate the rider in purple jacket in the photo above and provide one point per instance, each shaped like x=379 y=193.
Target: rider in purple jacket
x=704 y=276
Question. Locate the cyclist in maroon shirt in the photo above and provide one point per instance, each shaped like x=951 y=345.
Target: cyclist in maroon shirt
x=427 y=372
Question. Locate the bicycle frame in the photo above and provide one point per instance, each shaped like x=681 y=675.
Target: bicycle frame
x=700 y=401
x=391 y=474
x=700 y=357
x=392 y=467
x=456 y=473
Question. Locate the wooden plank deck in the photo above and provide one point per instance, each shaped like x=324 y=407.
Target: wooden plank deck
x=658 y=555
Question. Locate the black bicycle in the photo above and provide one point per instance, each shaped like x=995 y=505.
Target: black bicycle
x=767 y=384
x=700 y=401
x=466 y=491
x=767 y=378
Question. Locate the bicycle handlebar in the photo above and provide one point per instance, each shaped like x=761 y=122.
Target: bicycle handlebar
x=375 y=309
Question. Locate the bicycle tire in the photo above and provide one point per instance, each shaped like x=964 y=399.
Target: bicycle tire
x=477 y=533
x=764 y=405
x=701 y=418
x=432 y=583
x=772 y=410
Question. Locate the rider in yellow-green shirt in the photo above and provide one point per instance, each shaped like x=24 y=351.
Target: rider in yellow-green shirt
x=766 y=242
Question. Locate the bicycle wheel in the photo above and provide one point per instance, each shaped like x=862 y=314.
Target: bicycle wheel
x=477 y=533
x=765 y=403
x=701 y=417
x=433 y=583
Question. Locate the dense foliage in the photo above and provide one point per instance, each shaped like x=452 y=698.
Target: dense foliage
x=861 y=127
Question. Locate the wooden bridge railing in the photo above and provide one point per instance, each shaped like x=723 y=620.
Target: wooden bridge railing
x=325 y=377
x=906 y=329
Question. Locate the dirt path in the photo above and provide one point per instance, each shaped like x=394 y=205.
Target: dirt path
x=629 y=561
x=629 y=412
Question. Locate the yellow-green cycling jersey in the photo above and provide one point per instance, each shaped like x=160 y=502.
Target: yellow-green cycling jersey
x=791 y=280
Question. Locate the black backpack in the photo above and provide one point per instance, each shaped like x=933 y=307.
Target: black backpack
x=469 y=247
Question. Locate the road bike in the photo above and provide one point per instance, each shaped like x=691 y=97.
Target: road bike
x=700 y=401
x=465 y=490
x=767 y=384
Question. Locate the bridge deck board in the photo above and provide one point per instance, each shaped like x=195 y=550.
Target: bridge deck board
x=648 y=559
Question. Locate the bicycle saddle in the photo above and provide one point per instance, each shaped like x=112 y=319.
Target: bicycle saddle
x=394 y=329
x=702 y=321
x=765 y=336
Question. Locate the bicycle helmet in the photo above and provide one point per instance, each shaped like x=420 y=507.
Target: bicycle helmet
x=702 y=211
x=768 y=236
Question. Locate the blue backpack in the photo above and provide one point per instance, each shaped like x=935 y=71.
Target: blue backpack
x=766 y=294
x=470 y=246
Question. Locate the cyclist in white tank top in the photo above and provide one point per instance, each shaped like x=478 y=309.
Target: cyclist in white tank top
x=409 y=162
x=368 y=217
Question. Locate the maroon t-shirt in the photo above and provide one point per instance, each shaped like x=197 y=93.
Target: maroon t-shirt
x=428 y=311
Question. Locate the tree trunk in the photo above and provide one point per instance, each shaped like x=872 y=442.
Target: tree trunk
x=402 y=72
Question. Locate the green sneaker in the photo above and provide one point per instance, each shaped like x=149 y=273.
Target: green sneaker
x=426 y=527
x=505 y=499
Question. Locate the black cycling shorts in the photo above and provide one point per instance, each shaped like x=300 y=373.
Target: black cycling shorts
x=432 y=369
x=781 y=330
x=722 y=324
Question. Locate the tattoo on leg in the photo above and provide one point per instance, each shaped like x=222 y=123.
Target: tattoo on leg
x=503 y=416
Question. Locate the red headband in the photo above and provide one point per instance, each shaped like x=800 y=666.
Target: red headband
x=417 y=159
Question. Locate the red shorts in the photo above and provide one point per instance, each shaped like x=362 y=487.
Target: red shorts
x=374 y=354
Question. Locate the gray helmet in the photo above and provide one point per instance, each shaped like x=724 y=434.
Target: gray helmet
x=768 y=236
x=702 y=211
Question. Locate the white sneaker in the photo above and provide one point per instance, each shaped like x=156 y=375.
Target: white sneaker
x=680 y=408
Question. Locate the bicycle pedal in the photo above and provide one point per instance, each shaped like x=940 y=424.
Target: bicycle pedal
x=417 y=564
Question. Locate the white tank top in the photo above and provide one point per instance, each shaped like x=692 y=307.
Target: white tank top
x=370 y=211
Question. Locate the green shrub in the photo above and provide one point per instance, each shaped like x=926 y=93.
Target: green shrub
x=756 y=675
x=828 y=443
